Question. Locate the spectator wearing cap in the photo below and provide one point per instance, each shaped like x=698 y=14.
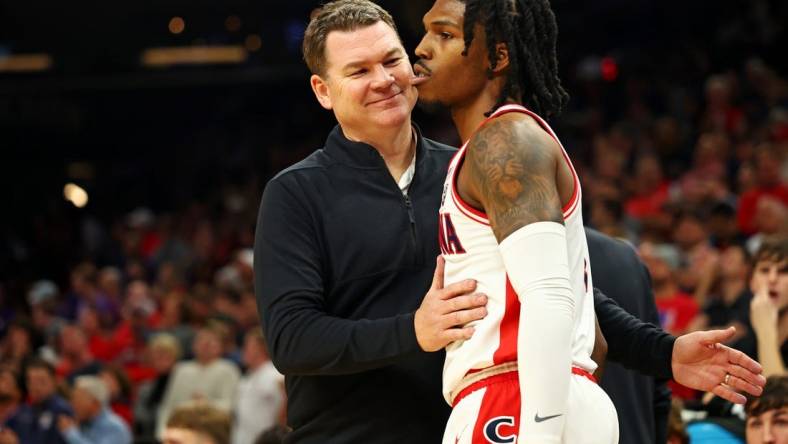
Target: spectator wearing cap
x=43 y=299
x=93 y=421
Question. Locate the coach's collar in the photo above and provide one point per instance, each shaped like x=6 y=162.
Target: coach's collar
x=360 y=154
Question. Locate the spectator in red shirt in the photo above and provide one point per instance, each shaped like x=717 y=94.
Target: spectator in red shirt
x=676 y=308
x=768 y=162
x=75 y=357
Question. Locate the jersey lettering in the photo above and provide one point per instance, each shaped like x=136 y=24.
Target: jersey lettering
x=448 y=239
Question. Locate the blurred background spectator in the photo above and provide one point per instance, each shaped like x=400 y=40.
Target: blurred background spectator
x=93 y=421
x=197 y=423
x=767 y=416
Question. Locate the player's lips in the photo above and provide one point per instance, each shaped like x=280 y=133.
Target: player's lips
x=421 y=70
x=385 y=99
x=773 y=294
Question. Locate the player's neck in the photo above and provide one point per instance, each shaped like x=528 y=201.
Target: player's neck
x=467 y=116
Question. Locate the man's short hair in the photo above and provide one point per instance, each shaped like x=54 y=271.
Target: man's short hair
x=775 y=396
x=165 y=341
x=202 y=419
x=340 y=15
x=773 y=248
x=38 y=363
x=95 y=386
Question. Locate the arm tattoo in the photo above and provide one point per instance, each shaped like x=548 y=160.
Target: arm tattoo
x=514 y=171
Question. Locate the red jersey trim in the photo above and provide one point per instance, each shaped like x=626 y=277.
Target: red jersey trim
x=480 y=216
x=512 y=376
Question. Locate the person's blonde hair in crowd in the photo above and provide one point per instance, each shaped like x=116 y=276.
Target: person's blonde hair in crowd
x=197 y=423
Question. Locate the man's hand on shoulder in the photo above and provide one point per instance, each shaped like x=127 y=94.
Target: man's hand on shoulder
x=444 y=312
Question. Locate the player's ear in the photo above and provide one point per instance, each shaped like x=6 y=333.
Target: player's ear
x=501 y=58
x=320 y=88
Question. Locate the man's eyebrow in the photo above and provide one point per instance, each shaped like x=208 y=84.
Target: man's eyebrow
x=444 y=22
x=392 y=52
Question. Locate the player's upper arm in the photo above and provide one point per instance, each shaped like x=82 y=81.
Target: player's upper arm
x=512 y=168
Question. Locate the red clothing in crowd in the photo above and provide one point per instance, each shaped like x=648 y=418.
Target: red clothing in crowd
x=648 y=205
x=749 y=202
x=676 y=312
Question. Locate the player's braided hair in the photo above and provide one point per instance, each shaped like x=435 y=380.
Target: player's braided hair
x=529 y=29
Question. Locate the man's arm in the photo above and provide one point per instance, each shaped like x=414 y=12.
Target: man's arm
x=631 y=342
x=698 y=360
x=289 y=284
x=511 y=171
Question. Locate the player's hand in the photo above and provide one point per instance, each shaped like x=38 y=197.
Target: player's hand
x=700 y=361
x=444 y=311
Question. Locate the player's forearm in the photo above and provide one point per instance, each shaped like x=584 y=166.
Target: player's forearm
x=546 y=320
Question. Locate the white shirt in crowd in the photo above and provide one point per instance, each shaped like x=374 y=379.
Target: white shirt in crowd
x=260 y=399
x=214 y=383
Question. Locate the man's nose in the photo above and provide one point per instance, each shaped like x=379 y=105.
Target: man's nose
x=382 y=78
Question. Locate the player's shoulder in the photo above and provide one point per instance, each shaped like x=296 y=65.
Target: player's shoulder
x=514 y=133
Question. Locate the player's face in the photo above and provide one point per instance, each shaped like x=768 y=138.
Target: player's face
x=453 y=79
x=769 y=427
x=367 y=80
x=771 y=276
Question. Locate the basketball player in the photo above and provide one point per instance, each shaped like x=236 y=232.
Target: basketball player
x=511 y=217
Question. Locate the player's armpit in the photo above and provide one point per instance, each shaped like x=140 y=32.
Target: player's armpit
x=511 y=170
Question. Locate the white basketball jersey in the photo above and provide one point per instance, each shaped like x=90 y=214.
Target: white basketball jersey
x=471 y=252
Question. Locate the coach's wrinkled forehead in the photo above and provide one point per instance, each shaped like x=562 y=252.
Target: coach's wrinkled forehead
x=341 y=15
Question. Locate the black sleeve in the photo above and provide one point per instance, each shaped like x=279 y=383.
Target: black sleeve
x=631 y=342
x=289 y=287
x=662 y=393
x=662 y=398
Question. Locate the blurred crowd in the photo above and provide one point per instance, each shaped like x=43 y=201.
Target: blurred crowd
x=115 y=351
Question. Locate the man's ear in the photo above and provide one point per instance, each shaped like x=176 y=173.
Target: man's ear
x=501 y=58
x=320 y=88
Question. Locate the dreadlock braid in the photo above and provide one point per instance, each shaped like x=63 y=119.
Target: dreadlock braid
x=529 y=30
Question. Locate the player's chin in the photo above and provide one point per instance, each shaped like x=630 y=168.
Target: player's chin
x=431 y=105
